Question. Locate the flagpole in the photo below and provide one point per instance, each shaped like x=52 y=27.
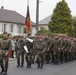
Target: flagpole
x=26 y=15
x=27 y=2
x=28 y=20
x=27 y=9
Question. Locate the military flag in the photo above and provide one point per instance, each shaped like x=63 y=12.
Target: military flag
x=28 y=20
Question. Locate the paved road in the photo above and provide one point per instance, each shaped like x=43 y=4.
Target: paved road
x=49 y=69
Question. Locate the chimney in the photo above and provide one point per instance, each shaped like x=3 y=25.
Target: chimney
x=2 y=7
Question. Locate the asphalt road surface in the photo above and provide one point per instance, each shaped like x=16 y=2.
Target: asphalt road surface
x=49 y=69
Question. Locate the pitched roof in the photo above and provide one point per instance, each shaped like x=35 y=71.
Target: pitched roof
x=11 y=16
x=45 y=20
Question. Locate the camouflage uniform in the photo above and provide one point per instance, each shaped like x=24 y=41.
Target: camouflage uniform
x=56 y=51
x=66 y=51
x=5 y=46
x=62 y=51
x=20 y=52
x=47 y=44
x=29 y=56
x=72 y=51
x=34 y=49
x=40 y=53
x=51 y=49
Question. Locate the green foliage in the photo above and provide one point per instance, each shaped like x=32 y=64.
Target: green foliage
x=1 y=35
x=44 y=31
x=62 y=21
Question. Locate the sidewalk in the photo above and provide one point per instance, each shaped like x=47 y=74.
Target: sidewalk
x=12 y=59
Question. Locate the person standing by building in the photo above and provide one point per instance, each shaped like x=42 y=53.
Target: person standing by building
x=13 y=47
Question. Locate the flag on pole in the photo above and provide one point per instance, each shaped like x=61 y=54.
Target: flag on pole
x=28 y=20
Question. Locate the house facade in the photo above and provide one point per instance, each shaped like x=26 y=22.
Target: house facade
x=44 y=23
x=12 y=22
x=12 y=28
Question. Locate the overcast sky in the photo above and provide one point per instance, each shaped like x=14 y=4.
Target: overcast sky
x=45 y=8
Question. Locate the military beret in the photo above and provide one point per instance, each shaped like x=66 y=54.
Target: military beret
x=4 y=32
x=20 y=36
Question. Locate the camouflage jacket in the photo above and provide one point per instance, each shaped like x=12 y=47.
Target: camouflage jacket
x=5 y=44
x=20 y=45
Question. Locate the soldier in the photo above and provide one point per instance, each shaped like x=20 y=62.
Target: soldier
x=47 y=42
x=66 y=51
x=5 y=46
x=40 y=53
x=20 y=51
x=56 y=50
x=72 y=49
x=62 y=50
x=29 y=55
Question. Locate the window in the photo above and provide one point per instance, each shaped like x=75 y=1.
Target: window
x=3 y=27
x=19 y=29
x=24 y=30
x=11 y=28
x=41 y=28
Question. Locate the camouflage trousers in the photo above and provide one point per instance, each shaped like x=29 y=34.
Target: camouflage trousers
x=47 y=57
x=29 y=59
x=56 y=57
x=40 y=60
x=4 y=60
x=19 y=54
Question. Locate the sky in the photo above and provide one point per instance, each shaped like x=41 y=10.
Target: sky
x=46 y=7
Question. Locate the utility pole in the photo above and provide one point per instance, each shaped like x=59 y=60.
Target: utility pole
x=37 y=15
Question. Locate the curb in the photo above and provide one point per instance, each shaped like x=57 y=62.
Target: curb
x=12 y=59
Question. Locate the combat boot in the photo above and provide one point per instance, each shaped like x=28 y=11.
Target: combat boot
x=2 y=70
x=5 y=72
x=21 y=66
x=38 y=63
x=38 y=66
x=18 y=65
x=41 y=66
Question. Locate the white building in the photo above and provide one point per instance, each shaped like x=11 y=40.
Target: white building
x=12 y=22
x=44 y=23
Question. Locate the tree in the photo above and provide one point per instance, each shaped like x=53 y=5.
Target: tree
x=62 y=20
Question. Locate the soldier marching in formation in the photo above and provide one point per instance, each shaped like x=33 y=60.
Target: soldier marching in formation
x=40 y=52
x=57 y=49
x=20 y=51
x=29 y=56
x=5 y=45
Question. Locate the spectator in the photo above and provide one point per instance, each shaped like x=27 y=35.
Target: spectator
x=13 y=47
